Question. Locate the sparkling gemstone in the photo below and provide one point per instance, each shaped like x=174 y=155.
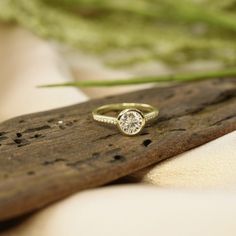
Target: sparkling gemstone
x=131 y=122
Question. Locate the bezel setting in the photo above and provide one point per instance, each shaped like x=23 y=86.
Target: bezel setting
x=131 y=121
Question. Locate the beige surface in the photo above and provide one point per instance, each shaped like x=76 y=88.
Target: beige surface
x=212 y=165
x=136 y=210
x=26 y=62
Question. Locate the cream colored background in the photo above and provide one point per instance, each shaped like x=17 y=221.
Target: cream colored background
x=25 y=62
x=136 y=210
x=177 y=203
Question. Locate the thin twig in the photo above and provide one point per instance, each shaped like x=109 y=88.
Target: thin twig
x=145 y=80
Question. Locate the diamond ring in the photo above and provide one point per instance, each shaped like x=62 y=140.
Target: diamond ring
x=131 y=118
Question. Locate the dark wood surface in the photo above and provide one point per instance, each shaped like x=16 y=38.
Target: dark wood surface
x=42 y=161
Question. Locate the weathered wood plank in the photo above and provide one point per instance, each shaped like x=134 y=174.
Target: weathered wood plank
x=42 y=161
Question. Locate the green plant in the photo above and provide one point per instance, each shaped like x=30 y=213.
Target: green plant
x=128 y=32
x=150 y=79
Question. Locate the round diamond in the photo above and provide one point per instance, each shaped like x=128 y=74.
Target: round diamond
x=131 y=121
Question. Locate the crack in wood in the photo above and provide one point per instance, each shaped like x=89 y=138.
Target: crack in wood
x=3 y=138
x=222 y=97
x=2 y=133
x=224 y=119
x=51 y=162
x=31 y=130
x=106 y=136
x=178 y=129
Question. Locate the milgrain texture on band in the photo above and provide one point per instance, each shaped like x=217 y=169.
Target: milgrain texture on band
x=98 y=114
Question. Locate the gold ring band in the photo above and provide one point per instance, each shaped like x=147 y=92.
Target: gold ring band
x=131 y=118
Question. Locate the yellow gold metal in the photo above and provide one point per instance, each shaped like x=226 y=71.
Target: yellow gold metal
x=131 y=119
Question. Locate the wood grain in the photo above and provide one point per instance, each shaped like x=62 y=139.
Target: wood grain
x=42 y=161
